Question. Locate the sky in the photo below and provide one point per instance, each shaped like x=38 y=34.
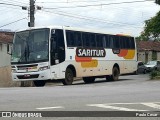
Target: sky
x=111 y=16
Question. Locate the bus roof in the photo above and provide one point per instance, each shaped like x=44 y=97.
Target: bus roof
x=74 y=29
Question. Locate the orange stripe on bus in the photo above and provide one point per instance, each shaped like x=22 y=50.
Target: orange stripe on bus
x=123 y=53
x=83 y=59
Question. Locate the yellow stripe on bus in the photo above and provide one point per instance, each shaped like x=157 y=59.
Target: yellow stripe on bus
x=93 y=63
x=130 y=54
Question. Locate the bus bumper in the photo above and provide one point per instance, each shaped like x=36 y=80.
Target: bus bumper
x=39 y=75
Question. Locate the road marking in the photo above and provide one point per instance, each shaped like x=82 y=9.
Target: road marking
x=45 y=108
x=153 y=105
x=130 y=103
x=114 y=107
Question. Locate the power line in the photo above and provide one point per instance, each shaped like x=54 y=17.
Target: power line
x=77 y=1
x=73 y=1
x=10 y=4
x=12 y=22
x=88 y=18
x=12 y=18
x=19 y=1
x=13 y=2
x=91 y=18
x=116 y=3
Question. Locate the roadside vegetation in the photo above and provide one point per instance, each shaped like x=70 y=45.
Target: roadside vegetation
x=155 y=75
x=152 y=28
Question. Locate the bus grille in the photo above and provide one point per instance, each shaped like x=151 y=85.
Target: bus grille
x=27 y=77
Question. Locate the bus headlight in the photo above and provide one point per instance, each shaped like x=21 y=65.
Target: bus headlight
x=14 y=71
x=43 y=68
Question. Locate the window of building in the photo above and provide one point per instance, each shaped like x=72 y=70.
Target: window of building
x=154 y=55
x=8 y=48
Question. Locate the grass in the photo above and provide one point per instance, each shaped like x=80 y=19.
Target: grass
x=155 y=75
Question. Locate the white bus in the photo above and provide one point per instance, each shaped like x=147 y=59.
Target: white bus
x=66 y=53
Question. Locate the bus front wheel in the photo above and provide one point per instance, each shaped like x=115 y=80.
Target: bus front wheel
x=115 y=74
x=89 y=79
x=39 y=83
x=68 y=77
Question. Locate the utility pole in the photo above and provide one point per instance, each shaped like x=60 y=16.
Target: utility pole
x=32 y=11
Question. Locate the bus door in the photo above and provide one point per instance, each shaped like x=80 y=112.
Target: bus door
x=57 y=53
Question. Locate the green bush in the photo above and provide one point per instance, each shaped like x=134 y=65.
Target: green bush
x=155 y=74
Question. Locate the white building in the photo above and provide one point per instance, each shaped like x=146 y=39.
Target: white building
x=5 y=57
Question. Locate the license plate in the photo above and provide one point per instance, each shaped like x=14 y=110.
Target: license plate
x=27 y=75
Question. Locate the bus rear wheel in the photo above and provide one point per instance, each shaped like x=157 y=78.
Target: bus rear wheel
x=68 y=77
x=115 y=74
x=39 y=83
x=89 y=79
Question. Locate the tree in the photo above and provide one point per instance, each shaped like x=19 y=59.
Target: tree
x=142 y=37
x=152 y=27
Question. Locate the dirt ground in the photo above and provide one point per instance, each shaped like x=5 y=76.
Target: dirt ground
x=5 y=78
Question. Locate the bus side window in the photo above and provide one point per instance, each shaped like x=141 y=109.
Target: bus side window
x=85 y=38
x=99 y=40
x=122 y=42
x=70 y=38
x=125 y=42
x=127 y=45
x=104 y=41
x=132 y=44
x=60 y=46
x=77 y=38
x=53 y=40
x=116 y=42
x=92 y=40
x=57 y=46
x=107 y=41
x=111 y=39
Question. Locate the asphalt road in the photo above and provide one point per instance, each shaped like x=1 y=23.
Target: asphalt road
x=130 y=93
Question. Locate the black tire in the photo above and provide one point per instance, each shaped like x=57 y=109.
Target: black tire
x=68 y=77
x=89 y=79
x=108 y=78
x=136 y=72
x=39 y=83
x=145 y=71
x=115 y=74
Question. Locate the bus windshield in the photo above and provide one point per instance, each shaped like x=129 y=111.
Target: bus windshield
x=30 y=46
